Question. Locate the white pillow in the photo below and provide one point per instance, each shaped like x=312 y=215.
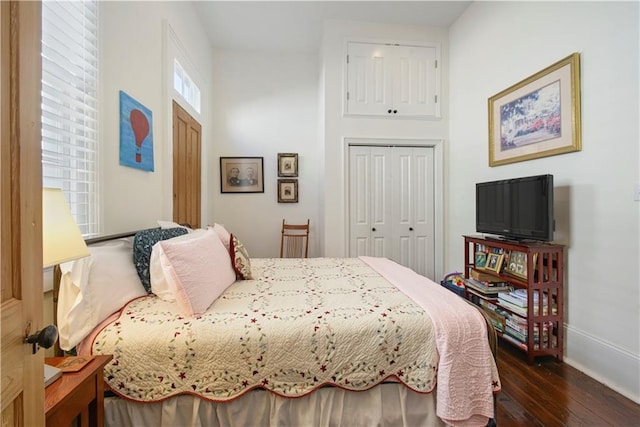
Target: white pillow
x=171 y=224
x=198 y=269
x=159 y=284
x=94 y=287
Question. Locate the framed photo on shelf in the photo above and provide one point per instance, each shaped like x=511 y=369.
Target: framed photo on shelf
x=537 y=117
x=494 y=263
x=480 y=259
x=287 y=191
x=241 y=175
x=288 y=164
x=517 y=265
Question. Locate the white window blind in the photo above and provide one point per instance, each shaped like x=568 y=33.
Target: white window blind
x=70 y=106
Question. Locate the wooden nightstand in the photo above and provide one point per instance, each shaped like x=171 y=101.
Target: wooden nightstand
x=77 y=395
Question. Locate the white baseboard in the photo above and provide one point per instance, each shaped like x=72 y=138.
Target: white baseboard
x=613 y=366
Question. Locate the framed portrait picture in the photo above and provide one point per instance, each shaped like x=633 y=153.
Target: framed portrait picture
x=517 y=264
x=537 y=117
x=288 y=164
x=287 y=191
x=494 y=263
x=241 y=175
x=480 y=259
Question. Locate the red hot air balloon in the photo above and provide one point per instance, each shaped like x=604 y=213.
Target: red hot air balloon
x=140 y=126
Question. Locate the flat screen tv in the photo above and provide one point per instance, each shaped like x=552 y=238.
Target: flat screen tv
x=517 y=208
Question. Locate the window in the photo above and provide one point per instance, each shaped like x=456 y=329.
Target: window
x=183 y=84
x=70 y=106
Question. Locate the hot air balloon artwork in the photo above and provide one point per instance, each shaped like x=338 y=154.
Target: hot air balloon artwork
x=136 y=134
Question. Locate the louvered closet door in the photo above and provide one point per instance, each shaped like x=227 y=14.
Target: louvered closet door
x=391 y=207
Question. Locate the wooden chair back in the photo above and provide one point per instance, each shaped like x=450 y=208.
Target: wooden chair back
x=294 y=241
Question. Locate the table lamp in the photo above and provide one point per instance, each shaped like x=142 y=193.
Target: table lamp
x=61 y=242
x=61 y=237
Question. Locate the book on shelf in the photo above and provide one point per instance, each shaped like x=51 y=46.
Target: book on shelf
x=510 y=298
x=484 y=277
x=522 y=337
x=515 y=341
x=520 y=326
x=488 y=305
x=486 y=288
x=522 y=311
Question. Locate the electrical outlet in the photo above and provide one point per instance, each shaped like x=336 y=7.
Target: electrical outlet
x=636 y=193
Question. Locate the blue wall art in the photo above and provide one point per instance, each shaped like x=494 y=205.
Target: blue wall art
x=136 y=134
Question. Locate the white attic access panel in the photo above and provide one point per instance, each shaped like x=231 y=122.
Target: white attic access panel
x=392 y=80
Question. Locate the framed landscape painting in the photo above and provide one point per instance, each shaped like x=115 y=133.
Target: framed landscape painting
x=537 y=117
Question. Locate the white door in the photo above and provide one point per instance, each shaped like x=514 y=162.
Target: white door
x=369 y=84
x=392 y=80
x=391 y=205
x=414 y=83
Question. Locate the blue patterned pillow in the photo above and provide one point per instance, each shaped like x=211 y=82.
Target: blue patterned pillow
x=143 y=242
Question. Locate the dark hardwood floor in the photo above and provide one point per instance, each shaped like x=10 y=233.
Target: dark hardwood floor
x=551 y=394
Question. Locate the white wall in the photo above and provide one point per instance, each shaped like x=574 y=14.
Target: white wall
x=132 y=55
x=493 y=46
x=337 y=127
x=265 y=104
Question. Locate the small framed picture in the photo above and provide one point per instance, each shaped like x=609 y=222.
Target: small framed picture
x=517 y=264
x=287 y=191
x=481 y=259
x=241 y=175
x=494 y=262
x=288 y=164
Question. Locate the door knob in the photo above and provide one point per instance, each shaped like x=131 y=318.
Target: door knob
x=44 y=338
x=373 y=229
x=389 y=111
x=395 y=111
x=410 y=228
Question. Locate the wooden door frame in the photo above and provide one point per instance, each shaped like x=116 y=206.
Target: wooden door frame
x=21 y=207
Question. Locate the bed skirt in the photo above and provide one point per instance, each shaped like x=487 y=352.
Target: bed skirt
x=387 y=404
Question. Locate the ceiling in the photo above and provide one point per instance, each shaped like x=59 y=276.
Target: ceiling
x=296 y=26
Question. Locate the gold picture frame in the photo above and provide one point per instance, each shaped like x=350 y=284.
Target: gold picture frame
x=494 y=263
x=288 y=164
x=537 y=117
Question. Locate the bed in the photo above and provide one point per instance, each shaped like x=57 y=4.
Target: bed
x=318 y=341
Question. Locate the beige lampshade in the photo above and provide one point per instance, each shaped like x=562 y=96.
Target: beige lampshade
x=61 y=237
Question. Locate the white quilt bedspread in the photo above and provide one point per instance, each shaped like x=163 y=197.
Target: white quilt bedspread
x=299 y=325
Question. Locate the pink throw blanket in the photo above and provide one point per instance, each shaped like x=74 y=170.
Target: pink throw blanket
x=467 y=373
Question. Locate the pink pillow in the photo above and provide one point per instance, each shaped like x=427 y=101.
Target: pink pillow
x=223 y=234
x=199 y=270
